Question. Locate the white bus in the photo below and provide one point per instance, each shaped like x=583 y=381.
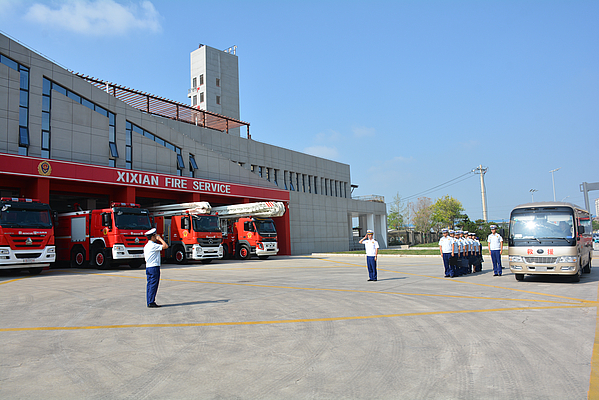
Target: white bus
x=550 y=238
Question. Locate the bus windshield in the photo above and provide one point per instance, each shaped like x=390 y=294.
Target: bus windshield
x=131 y=220
x=206 y=223
x=542 y=224
x=24 y=216
x=265 y=226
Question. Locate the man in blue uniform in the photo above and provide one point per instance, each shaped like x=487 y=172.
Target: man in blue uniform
x=495 y=243
x=372 y=250
x=446 y=249
x=152 y=251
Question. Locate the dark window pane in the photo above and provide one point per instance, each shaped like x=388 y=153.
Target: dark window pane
x=111 y=134
x=59 y=89
x=46 y=121
x=46 y=103
x=73 y=96
x=45 y=153
x=24 y=98
x=24 y=81
x=46 y=140
x=177 y=150
x=128 y=151
x=128 y=165
x=10 y=63
x=113 y=150
x=137 y=129
x=192 y=161
x=128 y=126
x=111 y=119
x=23 y=116
x=128 y=138
x=47 y=87
x=88 y=104
x=112 y=162
x=23 y=137
x=180 y=162
x=102 y=111
x=149 y=135
x=159 y=141
x=170 y=146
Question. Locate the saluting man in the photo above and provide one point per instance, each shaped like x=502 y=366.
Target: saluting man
x=372 y=250
x=446 y=249
x=152 y=251
x=495 y=243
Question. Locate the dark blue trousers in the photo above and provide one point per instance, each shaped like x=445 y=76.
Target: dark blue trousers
x=371 y=263
x=446 y=257
x=153 y=275
x=496 y=259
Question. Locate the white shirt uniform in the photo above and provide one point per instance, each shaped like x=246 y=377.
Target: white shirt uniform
x=446 y=243
x=495 y=241
x=371 y=246
x=152 y=254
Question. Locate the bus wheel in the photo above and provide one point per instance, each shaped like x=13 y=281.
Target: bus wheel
x=135 y=264
x=77 y=257
x=207 y=261
x=519 y=277
x=225 y=251
x=587 y=268
x=263 y=257
x=243 y=252
x=180 y=256
x=35 y=271
x=576 y=278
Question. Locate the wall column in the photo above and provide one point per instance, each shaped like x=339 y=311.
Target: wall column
x=125 y=194
x=38 y=189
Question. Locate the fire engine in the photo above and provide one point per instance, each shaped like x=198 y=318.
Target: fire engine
x=26 y=235
x=104 y=237
x=249 y=230
x=190 y=231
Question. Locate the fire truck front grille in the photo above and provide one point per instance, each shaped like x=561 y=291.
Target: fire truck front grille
x=130 y=241
x=267 y=239
x=27 y=242
x=209 y=242
x=136 y=251
x=28 y=255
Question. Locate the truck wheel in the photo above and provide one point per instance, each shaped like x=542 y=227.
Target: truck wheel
x=243 y=252
x=99 y=258
x=225 y=252
x=519 y=277
x=35 y=271
x=263 y=257
x=77 y=257
x=208 y=261
x=135 y=264
x=179 y=255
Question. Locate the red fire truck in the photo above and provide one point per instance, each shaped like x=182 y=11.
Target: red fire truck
x=190 y=231
x=248 y=230
x=104 y=237
x=26 y=235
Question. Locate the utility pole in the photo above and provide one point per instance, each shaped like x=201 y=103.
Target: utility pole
x=532 y=193
x=553 y=180
x=482 y=170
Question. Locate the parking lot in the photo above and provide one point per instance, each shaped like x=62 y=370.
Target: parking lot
x=297 y=328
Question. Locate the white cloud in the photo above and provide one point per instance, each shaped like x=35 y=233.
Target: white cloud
x=97 y=18
x=322 y=151
x=7 y=7
x=362 y=131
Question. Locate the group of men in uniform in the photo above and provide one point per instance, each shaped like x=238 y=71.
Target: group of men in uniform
x=461 y=252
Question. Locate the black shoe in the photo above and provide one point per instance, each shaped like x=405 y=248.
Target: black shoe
x=153 y=305
x=369 y=280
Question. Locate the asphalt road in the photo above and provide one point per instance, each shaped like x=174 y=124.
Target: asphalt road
x=297 y=328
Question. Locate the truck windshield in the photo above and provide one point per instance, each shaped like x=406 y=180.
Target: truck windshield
x=136 y=219
x=265 y=226
x=25 y=216
x=542 y=224
x=207 y=223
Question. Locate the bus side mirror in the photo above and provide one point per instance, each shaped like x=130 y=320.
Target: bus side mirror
x=580 y=229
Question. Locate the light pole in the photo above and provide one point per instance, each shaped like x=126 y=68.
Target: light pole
x=532 y=193
x=553 y=180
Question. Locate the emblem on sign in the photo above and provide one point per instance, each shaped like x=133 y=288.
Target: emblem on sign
x=44 y=168
x=105 y=231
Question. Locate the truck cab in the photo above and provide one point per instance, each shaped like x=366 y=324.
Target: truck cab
x=255 y=236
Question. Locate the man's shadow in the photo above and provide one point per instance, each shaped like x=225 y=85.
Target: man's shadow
x=192 y=303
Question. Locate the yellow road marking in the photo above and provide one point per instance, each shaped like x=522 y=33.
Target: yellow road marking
x=289 y=321
x=14 y=280
x=593 y=392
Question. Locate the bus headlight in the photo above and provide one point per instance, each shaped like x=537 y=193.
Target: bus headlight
x=568 y=268
x=516 y=259
x=567 y=259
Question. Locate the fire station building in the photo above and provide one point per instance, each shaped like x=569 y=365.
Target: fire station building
x=67 y=138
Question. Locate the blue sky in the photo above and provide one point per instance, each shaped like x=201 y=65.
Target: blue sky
x=411 y=94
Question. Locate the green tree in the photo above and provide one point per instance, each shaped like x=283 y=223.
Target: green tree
x=446 y=211
x=396 y=218
x=595 y=225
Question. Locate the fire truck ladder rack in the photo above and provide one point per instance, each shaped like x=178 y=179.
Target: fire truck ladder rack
x=200 y=207
x=268 y=209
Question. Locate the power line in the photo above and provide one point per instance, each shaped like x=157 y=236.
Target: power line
x=442 y=185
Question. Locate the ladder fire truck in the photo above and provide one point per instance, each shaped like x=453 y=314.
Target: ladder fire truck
x=190 y=231
x=103 y=237
x=26 y=235
x=248 y=229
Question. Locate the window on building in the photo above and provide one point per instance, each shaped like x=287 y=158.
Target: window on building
x=309 y=183
x=260 y=172
x=297 y=181
x=315 y=185
x=217 y=82
x=291 y=187
x=24 y=111
x=276 y=177
x=194 y=101
x=240 y=164
x=218 y=100
x=192 y=166
x=201 y=79
x=201 y=97
x=194 y=83
x=268 y=174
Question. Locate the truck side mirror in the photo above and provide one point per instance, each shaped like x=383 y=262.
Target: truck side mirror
x=580 y=229
x=107 y=220
x=185 y=223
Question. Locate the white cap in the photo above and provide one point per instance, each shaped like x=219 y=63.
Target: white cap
x=369 y=232
x=151 y=232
